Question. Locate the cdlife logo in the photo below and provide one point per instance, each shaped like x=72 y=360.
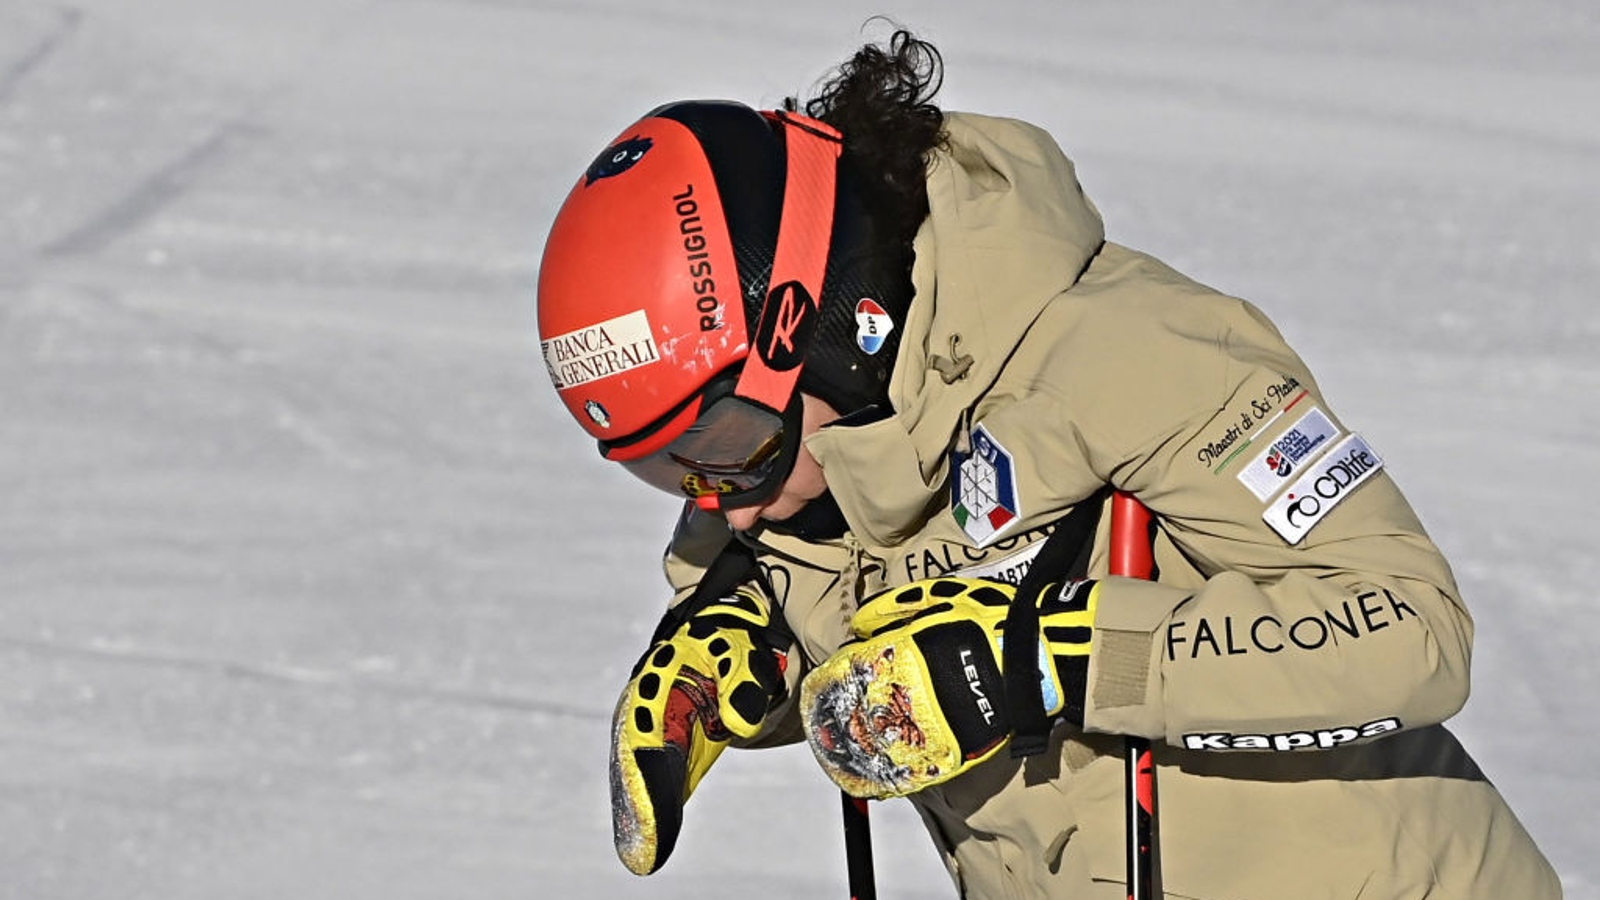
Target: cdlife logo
x=1313 y=495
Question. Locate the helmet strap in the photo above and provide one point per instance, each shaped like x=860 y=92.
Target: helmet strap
x=805 y=231
x=789 y=314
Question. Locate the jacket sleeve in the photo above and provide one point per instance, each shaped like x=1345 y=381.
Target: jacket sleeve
x=1300 y=602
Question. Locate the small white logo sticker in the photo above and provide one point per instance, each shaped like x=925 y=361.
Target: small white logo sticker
x=1313 y=495
x=872 y=326
x=1287 y=456
x=600 y=351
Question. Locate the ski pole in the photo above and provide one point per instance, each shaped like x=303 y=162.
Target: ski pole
x=858 y=848
x=1131 y=556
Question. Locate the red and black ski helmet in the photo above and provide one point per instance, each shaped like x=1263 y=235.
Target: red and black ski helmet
x=658 y=276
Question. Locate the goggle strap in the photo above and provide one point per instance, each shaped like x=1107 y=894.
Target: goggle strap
x=794 y=295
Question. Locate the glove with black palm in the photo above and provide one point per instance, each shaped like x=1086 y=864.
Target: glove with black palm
x=708 y=681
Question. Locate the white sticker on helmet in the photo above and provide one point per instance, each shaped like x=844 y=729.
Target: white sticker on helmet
x=600 y=350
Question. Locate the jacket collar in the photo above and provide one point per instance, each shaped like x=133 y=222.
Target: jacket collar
x=1008 y=229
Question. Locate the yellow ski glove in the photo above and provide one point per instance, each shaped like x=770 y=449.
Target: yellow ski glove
x=710 y=681
x=919 y=697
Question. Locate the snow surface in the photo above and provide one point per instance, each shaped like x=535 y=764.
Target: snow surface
x=308 y=587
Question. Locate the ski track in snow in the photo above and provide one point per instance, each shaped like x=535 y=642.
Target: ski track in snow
x=309 y=588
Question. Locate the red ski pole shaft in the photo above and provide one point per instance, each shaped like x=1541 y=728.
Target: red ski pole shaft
x=1131 y=556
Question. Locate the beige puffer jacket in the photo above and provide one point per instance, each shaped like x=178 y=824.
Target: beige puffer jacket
x=1305 y=637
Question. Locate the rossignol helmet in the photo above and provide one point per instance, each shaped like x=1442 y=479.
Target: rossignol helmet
x=711 y=264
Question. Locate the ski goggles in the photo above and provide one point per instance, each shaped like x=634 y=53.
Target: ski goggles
x=718 y=449
x=735 y=442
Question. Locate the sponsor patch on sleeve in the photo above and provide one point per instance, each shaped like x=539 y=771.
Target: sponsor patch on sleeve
x=1345 y=467
x=1287 y=456
x=983 y=485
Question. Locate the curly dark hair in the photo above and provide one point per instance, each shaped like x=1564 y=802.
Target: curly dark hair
x=881 y=100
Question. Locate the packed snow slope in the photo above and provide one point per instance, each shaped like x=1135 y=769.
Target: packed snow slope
x=308 y=588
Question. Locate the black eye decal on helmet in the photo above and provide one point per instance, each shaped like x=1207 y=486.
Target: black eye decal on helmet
x=617 y=158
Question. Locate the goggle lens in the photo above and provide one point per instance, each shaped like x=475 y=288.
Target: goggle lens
x=735 y=451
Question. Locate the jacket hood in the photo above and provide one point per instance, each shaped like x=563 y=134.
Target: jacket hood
x=1008 y=229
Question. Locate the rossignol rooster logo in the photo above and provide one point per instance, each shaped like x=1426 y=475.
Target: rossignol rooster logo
x=617 y=158
x=785 y=327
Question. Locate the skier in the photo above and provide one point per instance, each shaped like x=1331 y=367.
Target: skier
x=892 y=363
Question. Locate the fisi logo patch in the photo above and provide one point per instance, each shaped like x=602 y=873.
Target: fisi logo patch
x=984 y=486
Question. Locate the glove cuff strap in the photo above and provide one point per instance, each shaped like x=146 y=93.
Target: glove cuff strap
x=1064 y=557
